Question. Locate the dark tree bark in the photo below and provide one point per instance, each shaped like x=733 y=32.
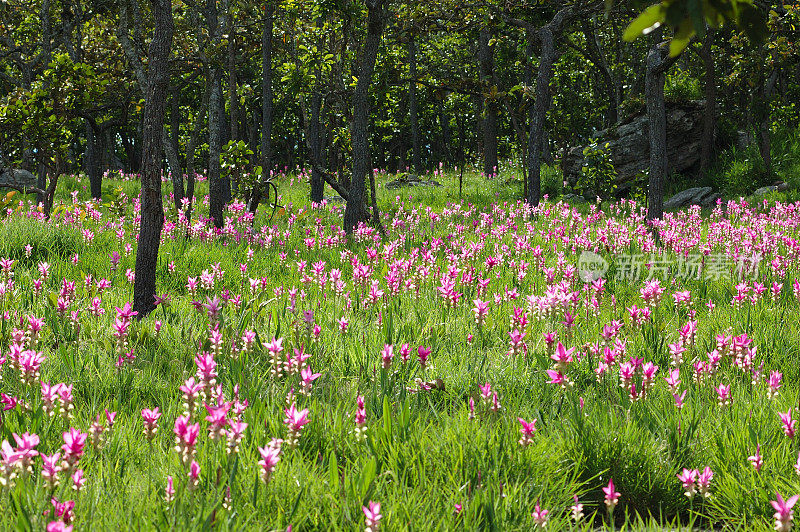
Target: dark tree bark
x=152 y=212
x=354 y=209
x=547 y=36
x=658 y=62
x=416 y=150
x=316 y=143
x=710 y=112
x=490 y=106
x=171 y=147
x=763 y=112
x=444 y=139
x=217 y=195
x=266 y=106
x=610 y=83
x=92 y=162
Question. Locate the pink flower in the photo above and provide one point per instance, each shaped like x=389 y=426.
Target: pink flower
x=50 y=469
x=74 y=441
x=688 y=478
x=387 y=354
x=788 y=423
x=270 y=456
x=723 y=395
x=169 y=491
x=576 y=510
x=757 y=460
x=704 y=481
x=78 y=480
x=784 y=515
x=527 y=430
x=562 y=356
x=611 y=496
x=774 y=383
x=194 y=475
x=372 y=515
x=423 y=353
x=150 y=418
x=539 y=515
x=295 y=421
x=58 y=526
x=308 y=377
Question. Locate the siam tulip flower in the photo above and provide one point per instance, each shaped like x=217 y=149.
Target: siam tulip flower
x=576 y=510
x=206 y=373
x=704 y=481
x=78 y=480
x=169 y=491
x=234 y=435
x=194 y=476
x=217 y=419
x=97 y=432
x=63 y=510
x=26 y=450
x=387 y=354
x=676 y=354
x=797 y=465
x=774 y=383
x=539 y=516
x=270 y=456
x=58 y=526
x=50 y=469
x=723 y=395
x=557 y=378
x=150 y=418
x=679 y=399
x=688 y=477
x=360 y=418
x=405 y=353
x=372 y=516
x=308 y=377
x=191 y=396
x=29 y=364
x=757 y=460
x=295 y=421
x=343 y=324
x=186 y=438
x=648 y=376
x=562 y=357
x=481 y=310
x=789 y=424
x=422 y=354
x=275 y=348
x=784 y=515
x=611 y=496
x=674 y=380
x=74 y=442
x=527 y=430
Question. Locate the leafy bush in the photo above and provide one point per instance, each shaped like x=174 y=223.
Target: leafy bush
x=681 y=86
x=598 y=175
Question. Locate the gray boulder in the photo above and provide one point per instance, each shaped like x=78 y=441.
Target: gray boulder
x=703 y=196
x=411 y=180
x=629 y=144
x=777 y=187
x=17 y=179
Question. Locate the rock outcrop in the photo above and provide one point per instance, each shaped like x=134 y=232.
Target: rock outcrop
x=17 y=179
x=703 y=196
x=629 y=144
x=410 y=180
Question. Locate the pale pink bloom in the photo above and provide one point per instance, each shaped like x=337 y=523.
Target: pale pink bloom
x=194 y=475
x=387 y=354
x=150 y=419
x=784 y=515
x=704 y=481
x=527 y=430
x=372 y=515
x=423 y=353
x=539 y=516
x=576 y=510
x=611 y=496
x=270 y=456
x=169 y=491
x=295 y=421
x=688 y=477
x=788 y=423
x=757 y=460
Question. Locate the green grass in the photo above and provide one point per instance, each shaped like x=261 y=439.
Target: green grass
x=422 y=455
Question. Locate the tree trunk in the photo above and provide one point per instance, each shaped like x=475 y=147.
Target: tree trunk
x=316 y=144
x=764 y=122
x=171 y=150
x=91 y=162
x=710 y=112
x=541 y=105
x=266 y=106
x=216 y=192
x=416 y=155
x=152 y=212
x=597 y=57
x=354 y=209
x=486 y=61
x=444 y=139
x=657 y=64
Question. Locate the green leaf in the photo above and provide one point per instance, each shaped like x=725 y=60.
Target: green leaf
x=650 y=19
